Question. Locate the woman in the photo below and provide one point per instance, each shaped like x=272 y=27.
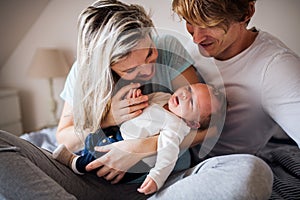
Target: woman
x=121 y=52
x=104 y=28
x=125 y=50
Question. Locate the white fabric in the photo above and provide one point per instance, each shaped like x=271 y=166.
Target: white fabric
x=262 y=86
x=67 y=93
x=155 y=119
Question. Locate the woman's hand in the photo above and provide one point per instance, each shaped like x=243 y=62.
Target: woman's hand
x=124 y=108
x=120 y=156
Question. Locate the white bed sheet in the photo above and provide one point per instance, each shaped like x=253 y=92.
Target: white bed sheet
x=44 y=138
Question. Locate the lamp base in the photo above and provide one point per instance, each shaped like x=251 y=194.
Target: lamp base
x=53 y=104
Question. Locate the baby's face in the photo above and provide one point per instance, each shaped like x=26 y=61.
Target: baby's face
x=191 y=102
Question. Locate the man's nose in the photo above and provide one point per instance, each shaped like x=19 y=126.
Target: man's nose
x=198 y=34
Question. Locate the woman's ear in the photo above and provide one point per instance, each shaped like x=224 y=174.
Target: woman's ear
x=193 y=124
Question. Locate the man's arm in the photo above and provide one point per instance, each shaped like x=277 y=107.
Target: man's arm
x=281 y=93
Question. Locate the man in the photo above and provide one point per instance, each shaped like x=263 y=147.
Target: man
x=261 y=76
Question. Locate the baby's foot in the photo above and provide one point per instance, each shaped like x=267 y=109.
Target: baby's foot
x=63 y=155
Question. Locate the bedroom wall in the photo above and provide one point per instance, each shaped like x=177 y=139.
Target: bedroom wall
x=56 y=27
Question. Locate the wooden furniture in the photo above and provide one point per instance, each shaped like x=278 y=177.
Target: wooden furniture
x=10 y=112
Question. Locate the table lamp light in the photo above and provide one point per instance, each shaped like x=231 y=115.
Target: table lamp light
x=49 y=63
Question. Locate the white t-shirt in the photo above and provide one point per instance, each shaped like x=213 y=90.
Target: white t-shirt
x=155 y=119
x=262 y=86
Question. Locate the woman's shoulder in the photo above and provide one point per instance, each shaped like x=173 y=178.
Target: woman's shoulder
x=165 y=40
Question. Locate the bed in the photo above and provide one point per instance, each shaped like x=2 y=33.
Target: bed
x=282 y=155
x=44 y=138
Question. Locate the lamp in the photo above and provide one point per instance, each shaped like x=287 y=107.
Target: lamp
x=49 y=63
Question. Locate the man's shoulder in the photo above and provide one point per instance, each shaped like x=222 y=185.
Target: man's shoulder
x=272 y=44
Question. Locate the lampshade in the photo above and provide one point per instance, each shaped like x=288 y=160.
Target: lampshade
x=48 y=63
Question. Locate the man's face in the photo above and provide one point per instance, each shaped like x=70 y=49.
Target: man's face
x=215 y=41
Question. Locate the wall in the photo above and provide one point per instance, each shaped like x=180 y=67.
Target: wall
x=17 y=25
x=56 y=27
x=281 y=18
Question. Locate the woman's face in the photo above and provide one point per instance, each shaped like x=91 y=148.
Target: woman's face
x=140 y=63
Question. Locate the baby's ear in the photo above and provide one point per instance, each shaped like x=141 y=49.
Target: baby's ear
x=193 y=124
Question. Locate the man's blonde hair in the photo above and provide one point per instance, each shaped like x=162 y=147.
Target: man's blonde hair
x=212 y=13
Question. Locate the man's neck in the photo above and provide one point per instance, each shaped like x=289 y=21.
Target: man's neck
x=246 y=39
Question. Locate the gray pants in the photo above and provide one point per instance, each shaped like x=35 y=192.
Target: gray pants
x=31 y=173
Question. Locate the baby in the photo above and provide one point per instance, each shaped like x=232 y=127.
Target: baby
x=172 y=116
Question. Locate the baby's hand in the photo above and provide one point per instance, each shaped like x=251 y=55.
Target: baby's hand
x=148 y=187
x=133 y=93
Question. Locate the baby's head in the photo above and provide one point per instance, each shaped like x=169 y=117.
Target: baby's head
x=196 y=103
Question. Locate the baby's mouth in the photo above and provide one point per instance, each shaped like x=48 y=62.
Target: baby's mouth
x=176 y=100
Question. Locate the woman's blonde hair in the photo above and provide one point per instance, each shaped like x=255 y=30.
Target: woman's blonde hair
x=211 y=13
x=108 y=31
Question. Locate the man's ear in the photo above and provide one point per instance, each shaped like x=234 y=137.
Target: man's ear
x=193 y=124
x=251 y=11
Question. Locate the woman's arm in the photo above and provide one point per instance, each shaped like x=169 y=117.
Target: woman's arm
x=65 y=133
x=188 y=76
